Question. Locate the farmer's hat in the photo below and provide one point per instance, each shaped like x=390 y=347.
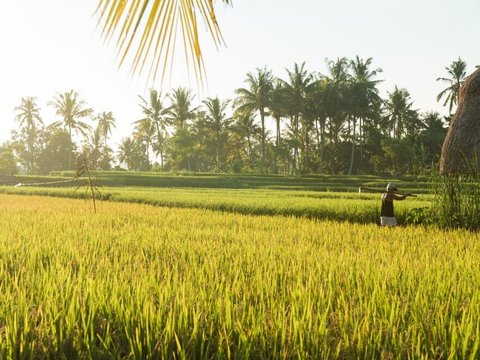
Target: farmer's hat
x=391 y=187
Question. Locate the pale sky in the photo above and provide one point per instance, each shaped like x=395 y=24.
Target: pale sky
x=52 y=46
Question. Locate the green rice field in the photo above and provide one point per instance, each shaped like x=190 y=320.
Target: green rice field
x=224 y=273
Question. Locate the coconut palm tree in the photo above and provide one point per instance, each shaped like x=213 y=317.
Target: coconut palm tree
x=218 y=123
x=256 y=97
x=316 y=110
x=72 y=110
x=363 y=94
x=400 y=114
x=155 y=115
x=181 y=110
x=334 y=99
x=28 y=115
x=105 y=123
x=246 y=129
x=457 y=73
x=145 y=131
x=278 y=110
x=148 y=29
x=93 y=146
x=299 y=83
x=127 y=152
x=278 y=107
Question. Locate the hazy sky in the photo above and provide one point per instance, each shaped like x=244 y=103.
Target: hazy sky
x=52 y=46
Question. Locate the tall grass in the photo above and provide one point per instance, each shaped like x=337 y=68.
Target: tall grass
x=136 y=282
x=456 y=201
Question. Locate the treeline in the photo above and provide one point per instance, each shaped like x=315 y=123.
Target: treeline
x=304 y=123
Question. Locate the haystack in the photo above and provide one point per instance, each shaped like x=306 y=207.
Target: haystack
x=461 y=148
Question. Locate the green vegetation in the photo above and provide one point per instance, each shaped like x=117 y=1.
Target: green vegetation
x=456 y=201
x=306 y=204
x=417 y=184
x=135 y=281
x=314 y=197
x=302 y=123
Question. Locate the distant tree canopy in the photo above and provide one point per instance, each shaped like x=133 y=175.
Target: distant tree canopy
x=305 y=123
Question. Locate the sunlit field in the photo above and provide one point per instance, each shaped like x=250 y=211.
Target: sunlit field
x=341 y=206
x=161 y=198
x=313 y=197
x=138 y=281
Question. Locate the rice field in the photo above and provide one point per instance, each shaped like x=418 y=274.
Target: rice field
x=136 y=281
x=341 y=206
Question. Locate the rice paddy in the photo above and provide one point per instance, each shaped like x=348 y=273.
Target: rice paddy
x=139 y=281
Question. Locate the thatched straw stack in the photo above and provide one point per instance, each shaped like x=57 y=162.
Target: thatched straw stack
x=461 y=148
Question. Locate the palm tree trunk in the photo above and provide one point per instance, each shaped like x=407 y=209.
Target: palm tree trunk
x=317 y=135
x=307 y=152
x=147 y=145
x=332 y=146
x=262 y=117
x=70 y=152
x=277 y=145
x=249 y=151
x=360 y=137
x=295 y=148
x=217 y=151
x=30 y=141
x=278 y=131
x=353 y=149
x=322 y=145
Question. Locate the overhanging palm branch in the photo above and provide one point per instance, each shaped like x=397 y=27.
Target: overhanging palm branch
x=148 y=28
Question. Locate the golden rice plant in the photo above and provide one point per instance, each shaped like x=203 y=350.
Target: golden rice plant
x=137 y=281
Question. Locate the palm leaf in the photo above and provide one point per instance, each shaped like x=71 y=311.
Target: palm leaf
x=146 y=30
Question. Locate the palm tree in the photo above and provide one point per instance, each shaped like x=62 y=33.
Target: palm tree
x=246 y=129
x=316 y=109
x=200 y=138
x=156 y=116
x=126 y=152
x=400 y=114
x=29 y=116
x=105 y=122
x=93 y=146
x=256 y=98
x=145 y=131
x=218 y=123
x=363 y=95
x=278 y=107
x=457 y=74
x=430 y=139
x=71 y=109
x=300 y=82
x=335 y=94
x=181 y=110
x=148 y=29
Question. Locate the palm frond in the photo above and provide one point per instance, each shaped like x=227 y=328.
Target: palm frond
x=145 y=32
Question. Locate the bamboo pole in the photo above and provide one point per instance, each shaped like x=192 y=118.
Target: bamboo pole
x=363 y=188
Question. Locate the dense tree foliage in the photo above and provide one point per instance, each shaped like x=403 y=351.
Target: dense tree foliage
x=306 y=122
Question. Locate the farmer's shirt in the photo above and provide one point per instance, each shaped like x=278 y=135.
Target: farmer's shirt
x=387 y=205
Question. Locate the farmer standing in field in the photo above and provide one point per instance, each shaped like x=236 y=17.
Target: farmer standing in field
x=387 y=217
